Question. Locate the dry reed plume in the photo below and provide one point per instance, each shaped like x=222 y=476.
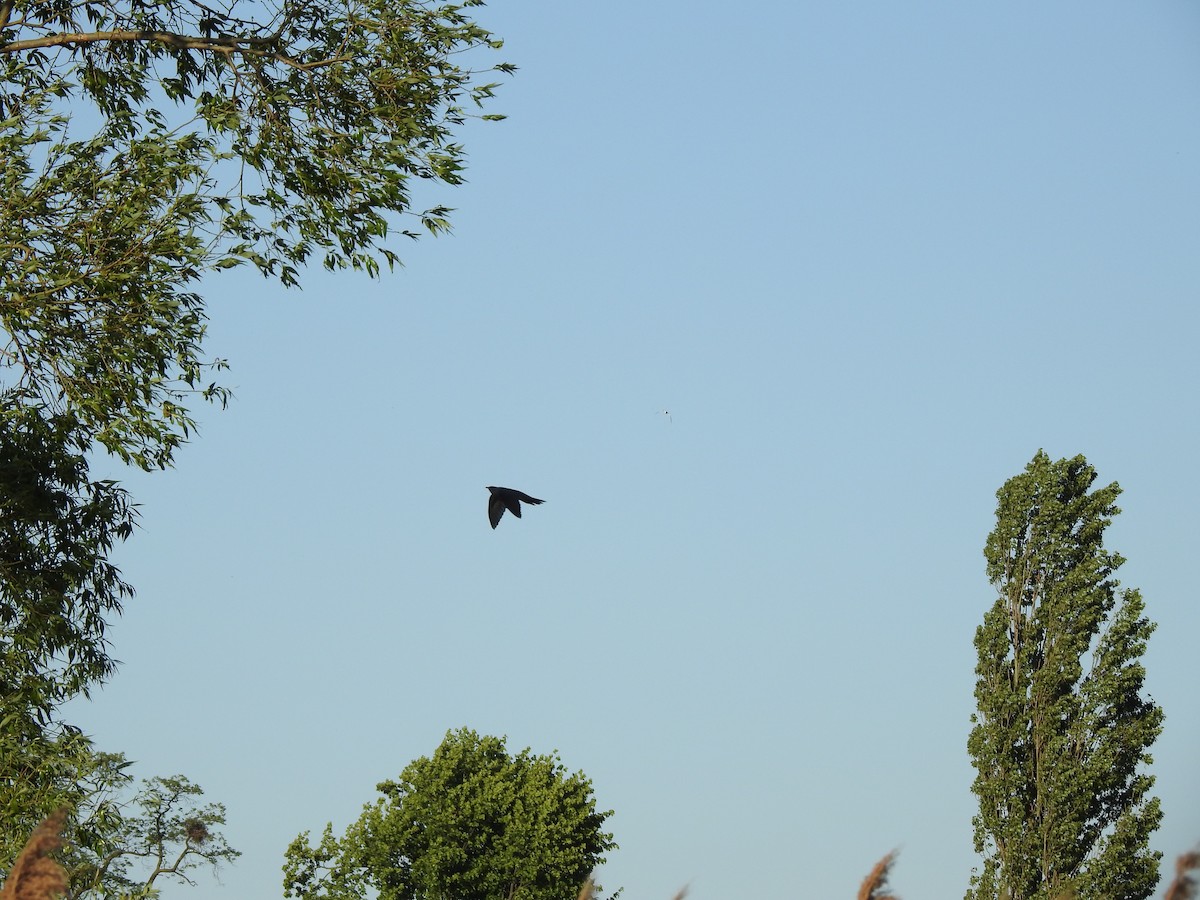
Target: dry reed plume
x=34 y=875
x=588 y=891
x=875 y=886
x=1184 y=887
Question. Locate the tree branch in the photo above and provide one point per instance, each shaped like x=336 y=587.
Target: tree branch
x=229 y=45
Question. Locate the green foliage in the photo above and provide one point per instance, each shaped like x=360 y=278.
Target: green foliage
x=119 y=842
x=169 y=837
x=1062 y=729
x=57 y=592
x=215 y=136
x=57 y=589
x=143 y=146
x=471 y=821
x=42 y=769
x=57 y=586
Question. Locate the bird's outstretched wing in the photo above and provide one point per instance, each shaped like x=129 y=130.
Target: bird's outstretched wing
x=507 y=498
x=495 y=510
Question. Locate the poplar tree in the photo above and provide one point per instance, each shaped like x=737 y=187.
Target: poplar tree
x=1063 y=728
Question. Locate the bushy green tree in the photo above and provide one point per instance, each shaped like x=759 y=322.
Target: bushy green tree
x=1063 y=730
x=470 y=821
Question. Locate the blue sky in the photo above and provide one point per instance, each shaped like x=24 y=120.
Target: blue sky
x=871 y=257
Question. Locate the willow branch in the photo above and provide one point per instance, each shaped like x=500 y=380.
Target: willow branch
x=227 y=45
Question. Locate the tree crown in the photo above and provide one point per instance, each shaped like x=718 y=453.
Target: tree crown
x=470 y=821
x=1062 y=728
x=221 y=135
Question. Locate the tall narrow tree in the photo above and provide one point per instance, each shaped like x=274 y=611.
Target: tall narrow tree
x=1063 y=729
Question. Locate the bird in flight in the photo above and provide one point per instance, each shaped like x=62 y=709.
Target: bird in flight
x=506 y=498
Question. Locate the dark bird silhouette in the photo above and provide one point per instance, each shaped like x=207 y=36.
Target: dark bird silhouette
x=506 y=498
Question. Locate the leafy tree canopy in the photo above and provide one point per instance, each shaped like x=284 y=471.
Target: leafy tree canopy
x=122 y=841
x=1063 y=729
x=57 y=586
x=470 y=821
x=57 y=591
x=144 y=143
x=124 y=847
